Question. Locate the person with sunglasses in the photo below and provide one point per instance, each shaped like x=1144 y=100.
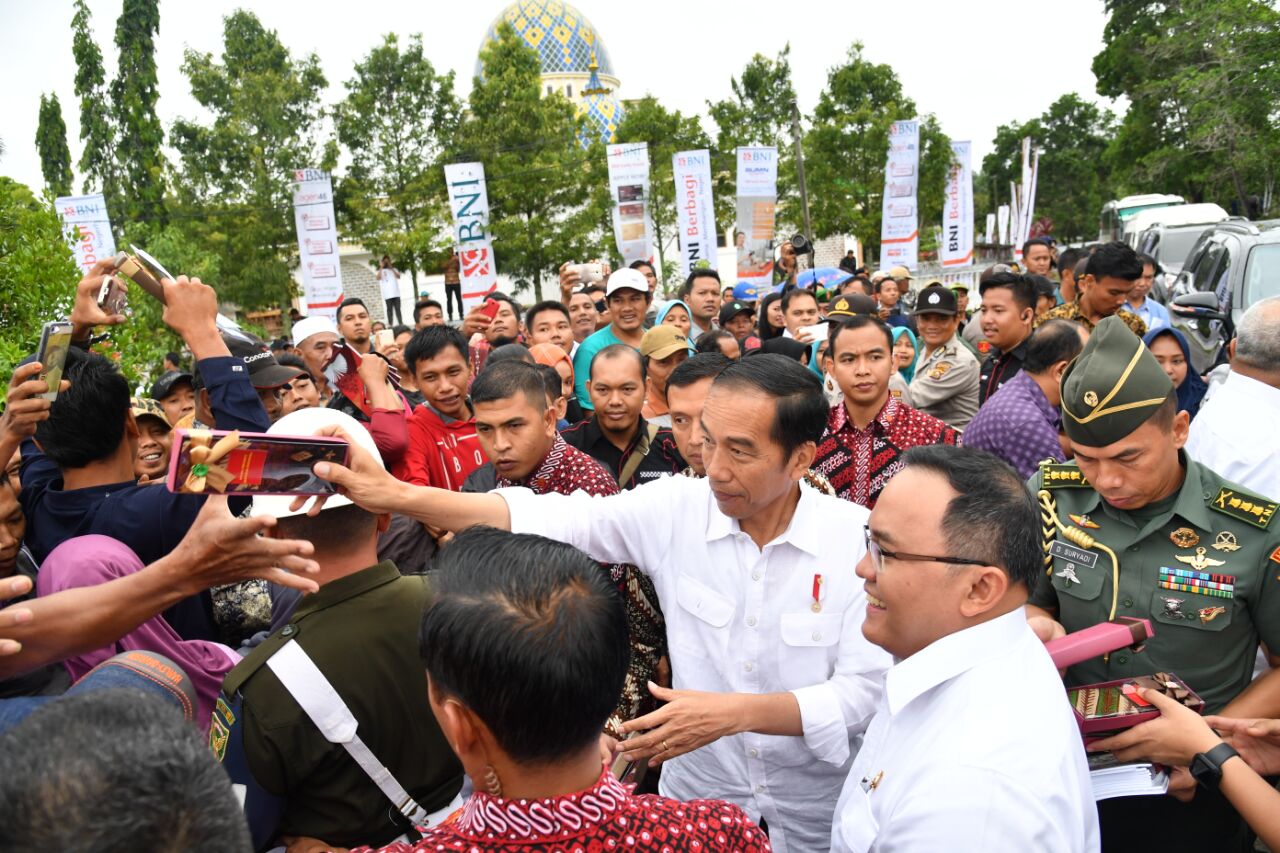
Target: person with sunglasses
x=974 y=745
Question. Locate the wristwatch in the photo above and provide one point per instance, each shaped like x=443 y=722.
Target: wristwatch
x=1206 y=767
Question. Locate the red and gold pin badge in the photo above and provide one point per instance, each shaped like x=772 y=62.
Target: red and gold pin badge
x=819 y=593
x=1083 y=521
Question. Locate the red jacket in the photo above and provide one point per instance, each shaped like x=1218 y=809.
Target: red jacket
x=441 y=454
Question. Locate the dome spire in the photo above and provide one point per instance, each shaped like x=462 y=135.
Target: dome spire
x=593 y=85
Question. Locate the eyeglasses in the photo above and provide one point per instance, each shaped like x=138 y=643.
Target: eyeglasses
x=878 y=554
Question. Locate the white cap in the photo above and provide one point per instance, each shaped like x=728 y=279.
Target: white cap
x=308 y=326
x=306 y=422
x=626 y=279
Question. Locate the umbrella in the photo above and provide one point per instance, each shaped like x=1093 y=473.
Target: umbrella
x=822 y=276
x=746 y=291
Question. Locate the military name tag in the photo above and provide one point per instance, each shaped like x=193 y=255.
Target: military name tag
x=1074 y=554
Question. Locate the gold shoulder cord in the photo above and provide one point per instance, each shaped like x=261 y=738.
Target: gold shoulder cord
x=1049 y=516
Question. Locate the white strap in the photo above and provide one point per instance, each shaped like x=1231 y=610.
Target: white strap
x=313 y=692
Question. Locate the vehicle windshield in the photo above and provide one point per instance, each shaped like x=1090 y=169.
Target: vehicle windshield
x=1262 y=274
x=1176 y=245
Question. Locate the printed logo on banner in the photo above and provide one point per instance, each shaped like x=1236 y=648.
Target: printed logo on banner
x=469 y=204
x=696 y=217
x=957 y=213
x=628 y=167
x=899 y=229
x=756 y=209
x=317 y=241
x=87 y=227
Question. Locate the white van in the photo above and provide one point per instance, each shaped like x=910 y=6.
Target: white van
x=1181 y=214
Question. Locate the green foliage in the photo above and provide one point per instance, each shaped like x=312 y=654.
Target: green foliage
x=98 y=157
x=133 y=100
x=1074 y=181
x=1202 y=78
x=759 y=113
x=846 y=149
x=395 y=121
x=37 y=272
x=235 y=172
x=51 y=142
x=666 y=131
x=544 y=206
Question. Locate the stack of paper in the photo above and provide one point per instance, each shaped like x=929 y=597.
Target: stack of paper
x=1113 y=778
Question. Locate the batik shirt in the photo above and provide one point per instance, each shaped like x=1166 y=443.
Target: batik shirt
x=604 y=817
x=859 y=462
x=1071 y=311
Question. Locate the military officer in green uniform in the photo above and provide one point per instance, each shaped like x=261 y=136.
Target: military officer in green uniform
x=336 y=699
x=1133 y=527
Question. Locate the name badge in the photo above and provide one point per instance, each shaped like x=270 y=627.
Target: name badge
x=1075 y=555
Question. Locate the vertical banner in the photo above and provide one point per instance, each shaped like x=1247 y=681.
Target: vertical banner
x=317 y=242
x=695 y=216
x=1002 y=214
x=1031 y=195
x=629 y=187
x=469 y=204
x=957 y=211
x=989 y=235
x=88 y=213
x=757 y=203
x=899 y=225
x=1022 y=219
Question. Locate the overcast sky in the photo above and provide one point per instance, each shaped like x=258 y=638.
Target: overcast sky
x=994 y=62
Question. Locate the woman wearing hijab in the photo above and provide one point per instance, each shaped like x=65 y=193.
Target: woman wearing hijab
x=676 y=313
x=771 y=324
x=905 y=351
x=557 y=359
x=1171 y=350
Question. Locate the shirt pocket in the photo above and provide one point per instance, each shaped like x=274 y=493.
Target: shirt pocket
x=1187 y=622
x=810 y=643
x=856 y=827
x=703 y=629
x=1079 y=580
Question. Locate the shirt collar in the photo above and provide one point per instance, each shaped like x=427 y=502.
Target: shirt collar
x=804 y=532
x=1253 y=389
x=1194 y=495
x=338 y=591
x=952 y=655
x=549 y=465
x=551 y=818
x=839 y=418
x=595 y=435
x=1051 y=414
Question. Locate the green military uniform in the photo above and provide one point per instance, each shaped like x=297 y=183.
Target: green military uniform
x=1202 y=564
x=362 y=633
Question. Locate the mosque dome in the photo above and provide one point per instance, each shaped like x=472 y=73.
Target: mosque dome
x=574 y=60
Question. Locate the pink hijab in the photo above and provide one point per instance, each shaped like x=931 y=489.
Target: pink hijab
x=92 y=560
x=549 y=354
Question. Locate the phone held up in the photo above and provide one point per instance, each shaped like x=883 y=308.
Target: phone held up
x=55 y=340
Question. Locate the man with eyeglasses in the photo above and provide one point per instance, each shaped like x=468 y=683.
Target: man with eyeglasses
x=974 y=741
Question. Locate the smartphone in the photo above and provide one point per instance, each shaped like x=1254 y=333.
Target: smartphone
x=816 y=332
x=144 y=273
x=490 y=308
x=246 y=463
x=589 y=273
x=113 y=297
x=386 y=338
x=55 y=340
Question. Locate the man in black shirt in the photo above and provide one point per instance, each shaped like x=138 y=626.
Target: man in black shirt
x=1008 y=308
x=617 y=436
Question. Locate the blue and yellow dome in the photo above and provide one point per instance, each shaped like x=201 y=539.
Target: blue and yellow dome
x=574 y=59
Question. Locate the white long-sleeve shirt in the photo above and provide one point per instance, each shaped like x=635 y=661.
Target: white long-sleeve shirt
x=974 y=748
x=1232 y=434
x=740 y=619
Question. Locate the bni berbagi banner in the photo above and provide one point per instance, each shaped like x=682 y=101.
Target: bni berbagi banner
x=957 y=210
x=757 y=204
x=88 y=214
x=899 y=223
x=469 y=204
x=695 y=216
x=317 y=242
x=629 y=187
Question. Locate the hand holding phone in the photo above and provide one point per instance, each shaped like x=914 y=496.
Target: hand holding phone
x=86 y=312
x=490 y=308
x=242 y=463
x=55 y=340
x=385 y=338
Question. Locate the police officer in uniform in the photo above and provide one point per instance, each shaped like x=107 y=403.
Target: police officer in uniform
x=1133 y=527
x=326 y=725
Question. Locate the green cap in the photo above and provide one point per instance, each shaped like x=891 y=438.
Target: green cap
x=1113 y=387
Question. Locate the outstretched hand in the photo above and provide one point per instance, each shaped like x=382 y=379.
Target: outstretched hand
x=690 y=719
x=362 y=479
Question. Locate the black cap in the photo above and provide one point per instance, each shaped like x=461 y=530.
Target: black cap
x=163 y=386
x=732 y=309
x=936 y=299
x=264 y=370
x=852 y=305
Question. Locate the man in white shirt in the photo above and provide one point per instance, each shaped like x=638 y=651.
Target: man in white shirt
x=1234 y=434
x=974 y=746
x=773 y=677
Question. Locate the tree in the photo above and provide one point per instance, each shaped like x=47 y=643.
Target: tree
x=395 y=121
x=98 y=158
x=543 y=207
x=666 y=132
x=847 y=145
x=236 y=171
x=1074 y=181
x=759 y=113
x=137 y=127
x=51 y=142
x=1203 y=83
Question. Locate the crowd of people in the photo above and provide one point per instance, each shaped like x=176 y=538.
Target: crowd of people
x=626 y=569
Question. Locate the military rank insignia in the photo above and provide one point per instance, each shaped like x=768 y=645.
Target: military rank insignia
x=1200 y=583
x=1244 y=506
x=220 y=728
x=1056 y=476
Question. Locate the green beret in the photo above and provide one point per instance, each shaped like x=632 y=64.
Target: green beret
x=1113 y=387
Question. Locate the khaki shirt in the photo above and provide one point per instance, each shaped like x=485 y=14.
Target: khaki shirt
x=945 y=384
x=362 y=633
x=1213 y=526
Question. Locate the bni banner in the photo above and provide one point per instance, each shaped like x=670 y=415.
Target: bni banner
x=957 y=210
x=629 y=186
x=88 y=213
x=757 y=203
x=695 y=216
x=899 y=227
x=317 y=242
x=469 y=204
